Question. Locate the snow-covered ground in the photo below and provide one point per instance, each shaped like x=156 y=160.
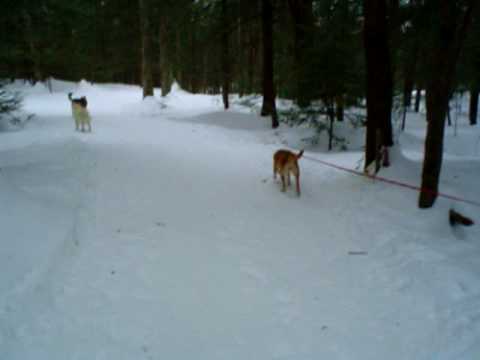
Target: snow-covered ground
x=162 y=235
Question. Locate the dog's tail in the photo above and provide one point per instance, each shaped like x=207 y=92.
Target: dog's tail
x=300 y=154
x=70 y=96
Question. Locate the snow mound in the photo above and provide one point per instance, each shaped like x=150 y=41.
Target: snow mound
x=148 y=107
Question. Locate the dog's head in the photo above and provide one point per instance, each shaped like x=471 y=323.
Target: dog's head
x=80 y=101
x=83 y=101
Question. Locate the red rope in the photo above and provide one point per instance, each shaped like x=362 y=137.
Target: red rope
x=394 y=182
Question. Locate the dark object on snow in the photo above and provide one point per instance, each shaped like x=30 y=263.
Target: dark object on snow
x=357 y=253
x=457 y=218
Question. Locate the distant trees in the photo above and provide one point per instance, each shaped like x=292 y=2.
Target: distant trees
x=324 y=54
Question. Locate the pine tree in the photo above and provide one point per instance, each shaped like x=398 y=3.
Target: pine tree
x=9 y=103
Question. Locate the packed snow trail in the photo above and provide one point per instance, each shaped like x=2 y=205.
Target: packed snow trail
x=159 y=237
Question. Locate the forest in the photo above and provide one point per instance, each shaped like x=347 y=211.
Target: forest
x=140 y=218
x=326 y=55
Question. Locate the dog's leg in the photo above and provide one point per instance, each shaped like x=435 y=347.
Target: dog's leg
x=297 y=177
x=288 y=179
x=283 y=182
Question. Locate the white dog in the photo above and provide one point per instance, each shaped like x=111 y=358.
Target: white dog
x=80 y=113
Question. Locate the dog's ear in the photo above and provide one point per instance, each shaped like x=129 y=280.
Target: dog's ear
x=300 y=154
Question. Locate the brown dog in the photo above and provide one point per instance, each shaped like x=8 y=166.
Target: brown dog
x=284 y=163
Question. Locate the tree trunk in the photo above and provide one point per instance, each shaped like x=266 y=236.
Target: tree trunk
x=443 y=58
x=225 y=57
x=252 y=61
x=145 y=29
x=418 y=98
x=473 y=111
x=436 y=111
x=449 y=118
x=242 y=44
x=268 y=107
x=411 y=61
x=35 y=70
x=165 y=71
x=394 y=33
x=340 y=107
x=410 y=70
x=379 y=79
x=302 y=14
x=331 y=118
x=254 y=67
x=194 y=67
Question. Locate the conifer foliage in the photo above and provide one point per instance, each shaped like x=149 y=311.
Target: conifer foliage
x=322 y=54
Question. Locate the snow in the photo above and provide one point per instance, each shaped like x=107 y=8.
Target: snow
x=162 y=235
